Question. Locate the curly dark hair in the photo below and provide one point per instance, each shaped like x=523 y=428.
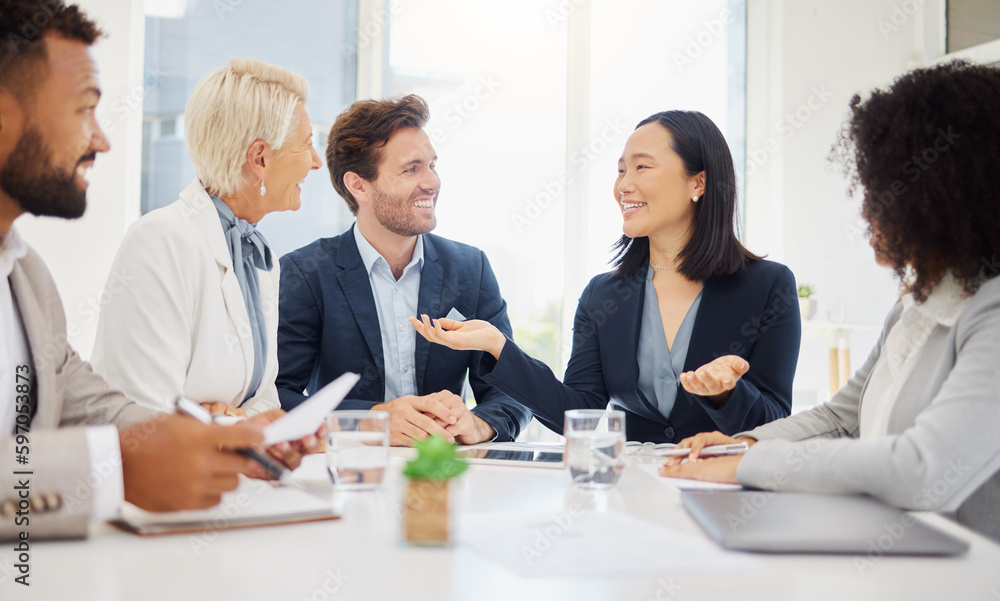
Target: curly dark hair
x=358 y=135
x=923 y=154
x=23 y=27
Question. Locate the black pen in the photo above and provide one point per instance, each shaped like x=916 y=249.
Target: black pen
x=274 y=469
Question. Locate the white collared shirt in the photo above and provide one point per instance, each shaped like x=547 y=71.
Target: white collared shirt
x=395 y=300
x=13 y=343
x=902 y=351
x=102 y=441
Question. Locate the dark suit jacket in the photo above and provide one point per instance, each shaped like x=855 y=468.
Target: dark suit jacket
x=754 y=315
x=328 y=325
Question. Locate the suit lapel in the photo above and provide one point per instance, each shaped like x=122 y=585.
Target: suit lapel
x=429 y=303
x=200 y=211
x=357 y=289
x=48 y=401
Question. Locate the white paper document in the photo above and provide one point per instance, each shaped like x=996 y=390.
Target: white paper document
x=590 y=544
x=683 y=483
x=307 y=417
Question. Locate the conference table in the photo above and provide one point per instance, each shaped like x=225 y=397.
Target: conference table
x=360 y=557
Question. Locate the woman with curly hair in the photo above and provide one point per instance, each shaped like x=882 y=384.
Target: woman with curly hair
x=917 y=425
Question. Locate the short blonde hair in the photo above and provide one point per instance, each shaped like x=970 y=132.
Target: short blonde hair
x=244 y=101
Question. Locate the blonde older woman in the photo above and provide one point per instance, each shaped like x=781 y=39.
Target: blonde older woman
x=198 y=312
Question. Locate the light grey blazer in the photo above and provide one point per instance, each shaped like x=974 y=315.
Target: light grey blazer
x=942 y=450
x=68 y=395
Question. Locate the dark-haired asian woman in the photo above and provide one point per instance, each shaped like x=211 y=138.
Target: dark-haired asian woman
x=690 y=330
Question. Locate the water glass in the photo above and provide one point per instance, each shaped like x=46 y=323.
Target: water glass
x=357 y=448
x=595 y=445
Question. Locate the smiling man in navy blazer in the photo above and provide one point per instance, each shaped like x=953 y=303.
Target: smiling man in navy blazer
x=344 y=301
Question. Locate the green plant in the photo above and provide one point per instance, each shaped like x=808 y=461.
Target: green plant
x=436 y=460
x=806 y=290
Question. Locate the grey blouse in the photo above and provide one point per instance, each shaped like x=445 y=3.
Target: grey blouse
x=659 y=366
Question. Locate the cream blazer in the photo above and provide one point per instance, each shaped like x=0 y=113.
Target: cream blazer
x=173 y=320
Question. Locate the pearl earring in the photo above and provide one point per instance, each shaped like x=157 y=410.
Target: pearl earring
x=263 y=189
x=694 y=198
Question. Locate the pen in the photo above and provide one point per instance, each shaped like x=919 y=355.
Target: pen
x=274 y=469
x=712 y=451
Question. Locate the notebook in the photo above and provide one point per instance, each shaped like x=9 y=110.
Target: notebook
x=253 y=503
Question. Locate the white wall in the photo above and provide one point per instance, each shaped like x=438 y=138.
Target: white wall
x=79 y=253
x=806 y=58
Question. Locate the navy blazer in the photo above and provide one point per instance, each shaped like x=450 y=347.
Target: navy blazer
x=328 y=324
x=754 y=315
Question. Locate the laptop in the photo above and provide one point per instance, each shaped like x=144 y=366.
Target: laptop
x=814 y=523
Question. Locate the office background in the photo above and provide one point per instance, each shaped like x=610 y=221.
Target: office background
x=531 y=102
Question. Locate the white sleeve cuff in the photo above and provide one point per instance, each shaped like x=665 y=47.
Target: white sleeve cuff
x=105 y=471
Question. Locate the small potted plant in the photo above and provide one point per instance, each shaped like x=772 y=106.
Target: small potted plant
x=427 y=508
x=807 y=304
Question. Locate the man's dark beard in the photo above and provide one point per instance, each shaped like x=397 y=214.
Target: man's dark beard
x=40 y=187
x=395 y=216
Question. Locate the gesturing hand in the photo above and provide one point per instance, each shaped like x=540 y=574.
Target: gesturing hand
x=474 y=335
x=714 y=380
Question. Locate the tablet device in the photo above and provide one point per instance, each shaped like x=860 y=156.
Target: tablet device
x=548 y=455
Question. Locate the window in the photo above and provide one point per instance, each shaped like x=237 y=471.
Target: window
x=186 y=39
x=972 y=23
x=531 y=104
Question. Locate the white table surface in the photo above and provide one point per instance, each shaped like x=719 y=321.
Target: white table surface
x=359 y=557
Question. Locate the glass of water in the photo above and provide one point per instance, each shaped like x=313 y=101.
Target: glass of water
x=595 y=446
x=357 y=448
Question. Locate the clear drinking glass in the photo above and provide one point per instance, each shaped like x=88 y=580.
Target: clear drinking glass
x=595 y=445
x=357 y=448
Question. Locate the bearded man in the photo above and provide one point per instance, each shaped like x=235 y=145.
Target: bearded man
x=344 y=301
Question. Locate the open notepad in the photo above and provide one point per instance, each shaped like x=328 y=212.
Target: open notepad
x=253 y=503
